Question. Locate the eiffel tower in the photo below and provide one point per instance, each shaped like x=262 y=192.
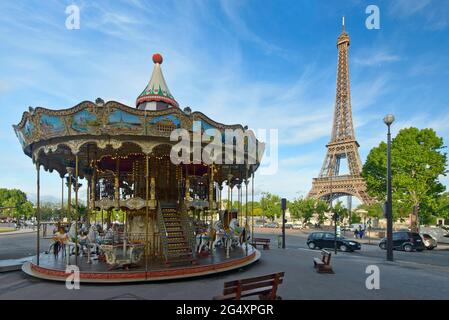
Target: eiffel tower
x=330 y=184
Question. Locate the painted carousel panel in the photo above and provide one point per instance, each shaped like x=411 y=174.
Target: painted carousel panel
x=84 y=121
x=51 y=125
x=124 y=121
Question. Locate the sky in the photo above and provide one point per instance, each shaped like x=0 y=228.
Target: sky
x=265 y=64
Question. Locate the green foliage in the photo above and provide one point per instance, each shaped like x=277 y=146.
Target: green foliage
x=442 y=206
x=340 y=210
x=305 y=209
x=417 y=162
x=374 y=210
x=270 y=205
x=18 y=200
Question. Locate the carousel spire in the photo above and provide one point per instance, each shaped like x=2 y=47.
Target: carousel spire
x=156 y=94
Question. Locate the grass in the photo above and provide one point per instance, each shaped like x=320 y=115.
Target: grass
x=6 y=230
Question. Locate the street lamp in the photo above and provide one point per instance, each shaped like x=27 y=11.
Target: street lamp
x=388 y=120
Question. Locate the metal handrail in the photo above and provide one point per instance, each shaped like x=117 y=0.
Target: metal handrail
x=162 y=231
x=187 y=226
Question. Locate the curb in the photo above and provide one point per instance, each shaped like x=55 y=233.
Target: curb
x=13 y=264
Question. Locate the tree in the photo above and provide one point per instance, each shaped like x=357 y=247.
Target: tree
x=271 y=205
x=321 y=207
x=442 y=210
x=417 y=162
x=16 y=199
x=339 y=210
x=305 y=209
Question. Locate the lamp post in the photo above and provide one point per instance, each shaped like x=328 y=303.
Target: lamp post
x=388 y=120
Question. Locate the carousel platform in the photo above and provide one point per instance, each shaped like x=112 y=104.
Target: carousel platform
x=51 y=268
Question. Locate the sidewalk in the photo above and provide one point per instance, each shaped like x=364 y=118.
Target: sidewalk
x=20 y=231
x=13 y=264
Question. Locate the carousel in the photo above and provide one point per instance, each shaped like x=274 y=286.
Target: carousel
x=145 y=217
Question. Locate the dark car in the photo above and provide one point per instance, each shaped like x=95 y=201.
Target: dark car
x=317 y=240
x=404 y=240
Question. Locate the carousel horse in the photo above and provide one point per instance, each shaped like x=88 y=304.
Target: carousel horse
x=93 y=239
x=71 y=241
x=230 y=239
x=219 y=233
x=204 y=239
x=242 y=234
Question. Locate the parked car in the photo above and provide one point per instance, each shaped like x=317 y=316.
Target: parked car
x=297 y=226
x=272 y=225
x=288 y=226
x=404 y=240
x=317 y=240
x=429 y=242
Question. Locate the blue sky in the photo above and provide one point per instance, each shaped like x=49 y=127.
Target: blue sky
x=267 y=64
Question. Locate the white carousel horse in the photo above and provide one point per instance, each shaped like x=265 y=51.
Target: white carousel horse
x=204 y=240
x=242 y=234
x=71 y=242
x=92 y=242
x=219 y=233
x=230 y=239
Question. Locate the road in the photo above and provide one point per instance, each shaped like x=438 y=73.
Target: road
x=16 y=246
x=297 y=239
x=413 y=275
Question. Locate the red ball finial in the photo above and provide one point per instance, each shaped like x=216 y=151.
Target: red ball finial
x=157 y=58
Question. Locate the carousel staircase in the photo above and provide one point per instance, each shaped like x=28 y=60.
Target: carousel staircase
x=177 y=246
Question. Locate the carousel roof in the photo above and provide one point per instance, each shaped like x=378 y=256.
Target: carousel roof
x=157 y=89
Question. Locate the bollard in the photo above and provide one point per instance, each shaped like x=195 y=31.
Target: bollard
x=279 y=241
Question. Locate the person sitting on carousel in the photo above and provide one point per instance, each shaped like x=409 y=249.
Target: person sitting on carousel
x=83 y=241
x=59 y=240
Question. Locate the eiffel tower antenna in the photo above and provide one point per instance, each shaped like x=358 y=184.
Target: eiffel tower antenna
x=343 y=145
x=343 y=23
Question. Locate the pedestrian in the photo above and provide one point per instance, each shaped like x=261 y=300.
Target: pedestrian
x=362 y=233
x=356 y=233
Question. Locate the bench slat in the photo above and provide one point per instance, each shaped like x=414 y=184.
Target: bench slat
x=233 y=295
x=251 y=286
x=255 y=279
x=261 y=240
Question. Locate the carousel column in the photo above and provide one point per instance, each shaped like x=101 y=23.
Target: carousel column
x=92 y=194
x=69 y=208
x=211 y=191
x=220 y=190
x=77 y=210
x=152 y=173
x=62 y=196
x=228 y=207
x=117 y=183
x=87 y=177
x=187 y=196
x=147 y=192
x=246 y=214
x=69 y=196
x=252 y=206
x=239 y=203
x=38 y=211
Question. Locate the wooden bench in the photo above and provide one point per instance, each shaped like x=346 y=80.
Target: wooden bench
x=261 y=242
x=323 y=265
x=263 y=286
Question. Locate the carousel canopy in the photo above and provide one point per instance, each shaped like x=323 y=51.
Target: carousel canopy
x=101 y=130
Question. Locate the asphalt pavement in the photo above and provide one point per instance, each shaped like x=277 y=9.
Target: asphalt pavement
x=415 y=275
